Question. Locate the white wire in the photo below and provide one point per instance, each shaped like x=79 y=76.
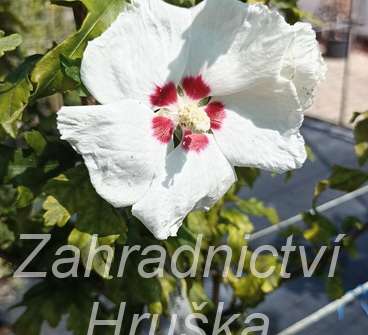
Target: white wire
x=326 y=310
x=348 y=297
x=295 y=219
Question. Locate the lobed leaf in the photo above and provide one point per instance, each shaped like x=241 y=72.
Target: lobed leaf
x=257 y=208
x=83 y=242
x=24 y=197
x=15 y=92
x=361 y=137
x=197 y=295
x=7 y=237
x=248 y=175
x=341 y=179
x=320 y=229
x=36 y=141
x=19 y=163
x=55 y=214
x=334 y=287
x=9 y=43
x=75 y=193
x=48 y=75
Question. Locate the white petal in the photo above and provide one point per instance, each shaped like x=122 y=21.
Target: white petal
x=118 y=147
x=143 y=48
x=192 y=180
x=233 y=45
x=303 y=63
x=261 y=128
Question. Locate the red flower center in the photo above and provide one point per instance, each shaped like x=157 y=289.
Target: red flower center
x=191 y=117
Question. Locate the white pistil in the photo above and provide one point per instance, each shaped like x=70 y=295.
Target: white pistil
x=194 y=118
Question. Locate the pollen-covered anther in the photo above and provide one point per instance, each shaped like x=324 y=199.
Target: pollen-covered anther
x=194 y=118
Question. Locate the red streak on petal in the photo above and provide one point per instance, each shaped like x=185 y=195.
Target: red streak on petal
x=163 y=128
x=196 y=88
x=194 y=142
x=216 y=112
x=164 y=96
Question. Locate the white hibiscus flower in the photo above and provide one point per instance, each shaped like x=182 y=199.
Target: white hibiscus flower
x=232 y=79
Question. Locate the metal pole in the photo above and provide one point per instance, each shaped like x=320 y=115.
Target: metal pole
x=345 y=83
x=295 y=219
x=326 y=310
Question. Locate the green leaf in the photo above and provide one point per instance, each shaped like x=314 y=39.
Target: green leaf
x=50 y=165
x=146 y=290
x=238 y=219
x=8 y=195
x=198 y=224
x=310 y=154
x=15 y=92
x=51 y=300
x=350 y=246
x=248 y=174
x=74 y=191
x=65 y=3
x=248 y=289
x=197 y=295
x=361 y=140
x=357 y=115
x=55 y=213
x=48 y=74
x=256 y=207
x=6 y=268
x=320 y=229
x=334 y=287
x=319 y=189
x=79 y=316
x=265 y=263
x=346 y=179
x=19 y=164
x=341 y=179
x=7 y=237
x=168 y=286
x=6 y=155
x=71 y=68
x=351 y=224
x=9 y=43
x=288 y=176
x=35 y=140
x=183 y=3
x=155 y=308
x=24 y=197
x=238 y=226
x=83 y=242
